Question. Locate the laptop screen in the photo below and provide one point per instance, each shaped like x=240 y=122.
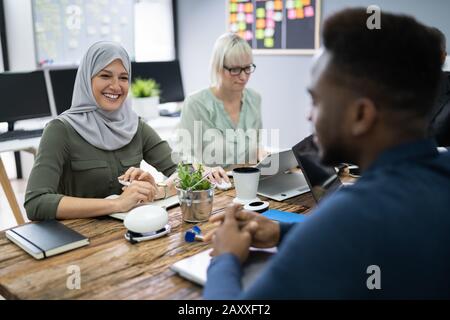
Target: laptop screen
x=322 y=180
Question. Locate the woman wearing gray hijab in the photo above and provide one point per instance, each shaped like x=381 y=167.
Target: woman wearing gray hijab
x=86 y=150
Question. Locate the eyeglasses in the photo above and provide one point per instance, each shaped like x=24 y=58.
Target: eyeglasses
x=236 y=71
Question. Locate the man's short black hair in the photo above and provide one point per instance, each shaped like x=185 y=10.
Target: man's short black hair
x=442 y=39
x=397 y=66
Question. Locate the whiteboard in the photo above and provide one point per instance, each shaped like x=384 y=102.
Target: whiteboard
x=276 y=26
x=64 y=29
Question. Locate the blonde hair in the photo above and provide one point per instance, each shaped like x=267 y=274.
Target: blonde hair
x=229 y=49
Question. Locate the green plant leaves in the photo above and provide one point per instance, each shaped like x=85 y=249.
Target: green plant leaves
x=141 y=88
x=188 y=178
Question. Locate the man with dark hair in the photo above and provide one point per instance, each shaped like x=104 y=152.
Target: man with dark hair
x=388 y=235
x=439 y=127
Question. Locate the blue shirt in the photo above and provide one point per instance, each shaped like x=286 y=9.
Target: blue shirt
x=395 y=217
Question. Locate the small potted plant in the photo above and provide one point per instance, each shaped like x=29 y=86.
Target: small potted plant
x=146 y=97
x=195 y=193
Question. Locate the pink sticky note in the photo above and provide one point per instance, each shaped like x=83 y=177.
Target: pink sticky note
x=269 y=14
x=241 y=7
x=309 y=11
x=248 y=35
x=292 y=14
x=270 y=23
x=249 y=18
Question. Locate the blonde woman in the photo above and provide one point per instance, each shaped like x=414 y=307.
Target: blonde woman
x=222 y=121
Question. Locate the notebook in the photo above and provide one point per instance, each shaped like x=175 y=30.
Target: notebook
x=163 y=203
x=46 y=238
x=195 y=267
x=283 y=216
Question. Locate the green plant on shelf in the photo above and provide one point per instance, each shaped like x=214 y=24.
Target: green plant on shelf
x=142 y=88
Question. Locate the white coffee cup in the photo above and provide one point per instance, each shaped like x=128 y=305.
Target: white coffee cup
x=246 y=180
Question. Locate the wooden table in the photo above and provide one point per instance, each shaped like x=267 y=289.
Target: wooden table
x=111 y=267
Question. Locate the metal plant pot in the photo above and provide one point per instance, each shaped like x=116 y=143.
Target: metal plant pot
x=196 y=206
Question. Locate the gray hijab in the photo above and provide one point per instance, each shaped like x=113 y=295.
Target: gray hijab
x=106 y=130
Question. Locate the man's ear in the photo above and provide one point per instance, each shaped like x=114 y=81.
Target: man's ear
x=364 y=115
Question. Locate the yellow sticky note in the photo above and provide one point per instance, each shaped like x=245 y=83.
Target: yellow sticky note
x=268 y=42
x=260 y=13
x=259 y=34
x=242 y=26
x=233 y=7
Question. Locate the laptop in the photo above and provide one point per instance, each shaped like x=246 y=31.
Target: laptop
x=276 y=181
x=195 y=268
x=321 y=179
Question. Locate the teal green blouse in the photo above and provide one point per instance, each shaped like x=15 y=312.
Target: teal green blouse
x=207 y=135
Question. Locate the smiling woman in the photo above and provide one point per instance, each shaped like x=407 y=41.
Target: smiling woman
x=99 y=139
x=110 y=86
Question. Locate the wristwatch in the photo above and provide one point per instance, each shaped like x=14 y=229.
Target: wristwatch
x=165 y=186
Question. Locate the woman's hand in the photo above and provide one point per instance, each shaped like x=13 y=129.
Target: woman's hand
x=137 y=192
x=137 y=174
x=217 y=175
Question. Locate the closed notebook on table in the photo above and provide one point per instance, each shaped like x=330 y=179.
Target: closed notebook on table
x=46 y=238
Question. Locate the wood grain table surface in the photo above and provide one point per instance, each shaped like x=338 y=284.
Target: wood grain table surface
x=110 y=266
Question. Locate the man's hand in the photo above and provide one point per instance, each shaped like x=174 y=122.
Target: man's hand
x=265 y=232
x=229 y=238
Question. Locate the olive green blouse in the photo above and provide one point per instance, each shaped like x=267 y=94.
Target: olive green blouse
x=67 y=165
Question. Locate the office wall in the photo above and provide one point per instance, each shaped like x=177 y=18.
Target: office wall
x=281 y=80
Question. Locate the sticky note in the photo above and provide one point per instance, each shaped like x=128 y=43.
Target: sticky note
x=248 y=8
x=292 y=14
x=233 y=18
x=283 y=216
x=259 y=34
x=270 y=5
x=240 y=7
x=298 y=4
x=234 y=27
x=268 y=42
x=306 y=2
x=240 y=17
x=260 y=23
x=248 y=35
x=278 y=16
x=269 y=14
x=278 y=5
x=260 y=13
x=269 y=32
x=233 y=7
x=241 y=34
x=300 y=14
x=309 y=11
x=242 y=26
x=290 y=4
x=249 y=18
x=270 y=23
